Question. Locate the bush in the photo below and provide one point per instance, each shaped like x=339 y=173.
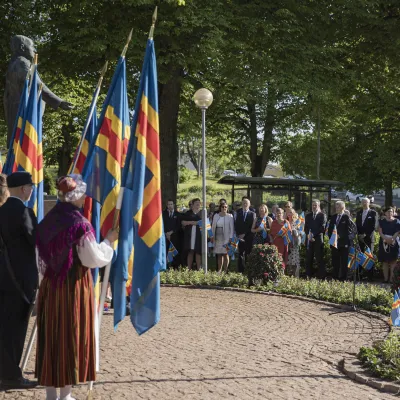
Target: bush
x=263 y=264
x=195 y=189
x=383 y=359
x=184 y=174
x=368 y=297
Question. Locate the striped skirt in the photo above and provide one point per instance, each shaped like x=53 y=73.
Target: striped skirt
x=65 y=343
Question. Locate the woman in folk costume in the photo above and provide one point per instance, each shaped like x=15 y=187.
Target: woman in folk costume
x=67 y=249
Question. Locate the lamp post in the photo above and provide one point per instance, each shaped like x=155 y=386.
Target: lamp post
x=203 y=99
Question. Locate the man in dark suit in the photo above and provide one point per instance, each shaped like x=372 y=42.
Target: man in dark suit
x=315 y=222
x=18 y=286
x=243 y=223
x=345 y=237
x=366 y=222
x=173 y=231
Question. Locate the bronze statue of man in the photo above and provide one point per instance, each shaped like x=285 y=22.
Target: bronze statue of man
x=22 y=54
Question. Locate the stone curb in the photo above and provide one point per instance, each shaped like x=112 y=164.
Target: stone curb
x=346 y=307
x=354 y=370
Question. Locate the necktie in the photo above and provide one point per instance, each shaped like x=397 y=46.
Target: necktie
x=244 y=217
x=314 y=215
x=338 y=219
x=170 y=214
x=364 y=215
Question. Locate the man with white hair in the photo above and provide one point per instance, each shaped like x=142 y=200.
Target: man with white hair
x=345 y=236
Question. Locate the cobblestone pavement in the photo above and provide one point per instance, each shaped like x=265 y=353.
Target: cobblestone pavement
x=217 y=345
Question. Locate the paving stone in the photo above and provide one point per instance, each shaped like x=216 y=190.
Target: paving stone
x=229 y=345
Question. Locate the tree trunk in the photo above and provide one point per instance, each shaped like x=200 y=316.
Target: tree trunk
x=269 y=125
x=389 y=192
x=169 y=98
x=193 y=158
x=254 y=158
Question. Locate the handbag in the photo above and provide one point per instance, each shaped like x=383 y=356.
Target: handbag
x=4 y=251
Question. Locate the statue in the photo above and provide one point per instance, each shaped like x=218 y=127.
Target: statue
x=22 y=54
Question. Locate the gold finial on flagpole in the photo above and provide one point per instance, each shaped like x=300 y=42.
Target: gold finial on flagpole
x=35 y=58
x=153 y=24
x=127 y=43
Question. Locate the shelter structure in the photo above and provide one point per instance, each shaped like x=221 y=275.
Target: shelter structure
x=299 y=191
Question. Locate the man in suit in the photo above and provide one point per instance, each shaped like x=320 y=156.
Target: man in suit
x=273 y=211
x=243 y=223
x=315 y=223
x=172 y=230
x=345 y=236
x=18 y=286
x=366 y=222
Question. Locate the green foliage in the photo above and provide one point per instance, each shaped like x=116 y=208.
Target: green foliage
x=185 y=174
x=396 y=278
x=263 y=264
x=383 y=359
x=49 y=182
x=368 y=297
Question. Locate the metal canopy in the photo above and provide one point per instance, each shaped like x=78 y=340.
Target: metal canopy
x=293 y=186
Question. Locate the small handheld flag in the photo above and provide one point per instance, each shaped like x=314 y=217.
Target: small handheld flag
x=352 y=260
x=333 y=238
x=263 y=226
x=232 y=246
x=368 y=261
x=286 y=234
x=309 y=237
x=209 y=230
x=172 y=252
x=395 y=315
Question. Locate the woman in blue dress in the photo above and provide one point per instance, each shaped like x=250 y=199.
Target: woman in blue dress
x=389 y=228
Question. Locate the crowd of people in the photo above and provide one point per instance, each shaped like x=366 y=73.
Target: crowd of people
x=260 y=226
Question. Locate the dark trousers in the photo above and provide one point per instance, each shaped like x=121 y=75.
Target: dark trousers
x=340 y=262
x=244 y=250
x=316 y=249
x=14 y=319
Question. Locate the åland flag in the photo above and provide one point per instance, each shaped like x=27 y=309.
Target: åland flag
x=367 y=260
x=106 y=155
x=286 y=233
x=172 y=252
x=396 y=309
x=352 y=261
x=263 y=226
x=28 y=154
x=333 y=238
x=142 y=201
x=208 y=226
x=9 y=165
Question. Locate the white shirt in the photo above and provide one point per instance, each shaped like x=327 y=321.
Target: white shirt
x=93 y=254
x=364 y=215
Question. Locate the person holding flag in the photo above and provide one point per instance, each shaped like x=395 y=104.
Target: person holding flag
x=315 y=222
x=277 y=239
x=389 y=228
x=345 y=237
x=67 y=250
x=261 y=226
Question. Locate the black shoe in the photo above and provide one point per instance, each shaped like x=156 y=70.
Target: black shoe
x=20 y=383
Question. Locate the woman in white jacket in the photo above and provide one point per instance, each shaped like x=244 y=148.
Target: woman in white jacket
x=223 y=229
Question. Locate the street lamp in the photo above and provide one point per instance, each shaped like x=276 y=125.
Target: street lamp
x=203 y=99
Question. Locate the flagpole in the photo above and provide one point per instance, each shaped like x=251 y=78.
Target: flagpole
x=89 y=117
x=106 y=277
